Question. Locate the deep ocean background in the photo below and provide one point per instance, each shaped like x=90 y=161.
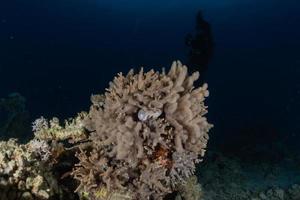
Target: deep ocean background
x=56 y=53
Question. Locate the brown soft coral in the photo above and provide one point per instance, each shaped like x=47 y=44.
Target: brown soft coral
x=145 y=123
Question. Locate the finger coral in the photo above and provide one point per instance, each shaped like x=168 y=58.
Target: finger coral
x=146 y=133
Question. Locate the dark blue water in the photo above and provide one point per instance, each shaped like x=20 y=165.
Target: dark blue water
x=57 y=53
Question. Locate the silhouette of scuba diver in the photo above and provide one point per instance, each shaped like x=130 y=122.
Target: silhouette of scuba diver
x=201 y=46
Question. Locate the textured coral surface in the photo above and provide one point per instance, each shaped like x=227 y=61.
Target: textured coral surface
x=22 y=176
x=141 y=139
x=147 y=132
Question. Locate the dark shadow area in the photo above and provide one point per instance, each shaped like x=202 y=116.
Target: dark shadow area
x=14 y=118
x=201 y=46
x=258 y=143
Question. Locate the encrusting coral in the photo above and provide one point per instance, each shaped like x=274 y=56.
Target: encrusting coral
x=146 y=134
x=140 y=140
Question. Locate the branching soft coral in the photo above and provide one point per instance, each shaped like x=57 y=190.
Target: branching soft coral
x=146 y=126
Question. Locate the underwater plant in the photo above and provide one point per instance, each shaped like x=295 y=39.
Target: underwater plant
x=141 y=139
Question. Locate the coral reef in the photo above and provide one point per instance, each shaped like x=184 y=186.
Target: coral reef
x=146 y=134
x=141 y=139
x=31 y=170
x=73 y=129
x=22 y=176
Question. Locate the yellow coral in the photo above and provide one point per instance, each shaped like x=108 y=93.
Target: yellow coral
x=101 y=193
